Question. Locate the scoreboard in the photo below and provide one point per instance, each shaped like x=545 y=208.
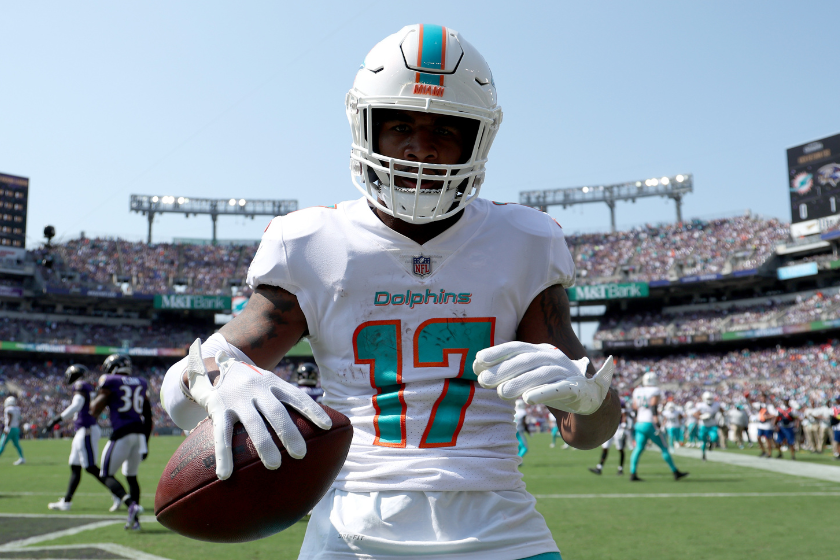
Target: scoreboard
x=14 y=198
x=814 y=186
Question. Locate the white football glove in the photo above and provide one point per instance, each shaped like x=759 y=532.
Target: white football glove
x=241 y=394
x=542 y=374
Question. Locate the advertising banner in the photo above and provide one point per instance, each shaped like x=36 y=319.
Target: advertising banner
x=185 y=301
x=797 y=271
x=608 y=291
x=95 y=350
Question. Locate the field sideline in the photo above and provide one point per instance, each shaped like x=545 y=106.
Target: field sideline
x=720 y=511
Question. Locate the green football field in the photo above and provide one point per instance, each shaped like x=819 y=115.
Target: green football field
x=720 y=511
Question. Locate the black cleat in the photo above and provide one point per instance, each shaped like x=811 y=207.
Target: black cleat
x=679 y=474
x=634 y=478
x=594 y=470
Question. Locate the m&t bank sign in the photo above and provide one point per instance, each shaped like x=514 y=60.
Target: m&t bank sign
x=609 y=291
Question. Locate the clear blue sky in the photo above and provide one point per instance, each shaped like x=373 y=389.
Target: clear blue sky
x=100 y=100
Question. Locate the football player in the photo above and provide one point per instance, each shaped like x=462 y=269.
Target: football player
x=787 y=421
x=130 y=413
x=429 y=311
x=673 y=421
x=706 y=413
x=620 y=439
x=11 y=428
x=85 y=446
x=766 y=423
x=690 y=433
x=306 y=377
x=519 y=418
x=647 y=425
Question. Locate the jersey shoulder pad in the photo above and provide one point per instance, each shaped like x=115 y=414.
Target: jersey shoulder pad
x=538 y=231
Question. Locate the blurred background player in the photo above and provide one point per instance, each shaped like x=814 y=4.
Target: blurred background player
x=11 y=428
x=519 y=416
x=739 y=421
x=835 y=427
x=690 y=434
x=306 y=377
x=620 y=440
x=646 y=403
x=673 y=421
x=127 y=399
x=85 y=446
x=766 y=421
x=787 y=422
x=706 y=413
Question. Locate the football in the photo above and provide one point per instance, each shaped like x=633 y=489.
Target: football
x=254 y=502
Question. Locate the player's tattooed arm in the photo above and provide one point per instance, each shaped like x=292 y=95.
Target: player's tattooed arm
x=268 y=327
x=548 y=320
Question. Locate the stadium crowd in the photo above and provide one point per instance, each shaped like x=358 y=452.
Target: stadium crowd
x=641 y=254
x=770 y=313
x=107 y=264
x=159 y=334
x=700 y=247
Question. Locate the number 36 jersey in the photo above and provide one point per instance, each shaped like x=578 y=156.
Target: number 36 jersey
x=126 y=400
x=395 y=326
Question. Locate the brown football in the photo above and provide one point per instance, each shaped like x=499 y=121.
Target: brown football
x=254 y=502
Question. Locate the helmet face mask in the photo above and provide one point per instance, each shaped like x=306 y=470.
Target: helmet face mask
x=426 y=69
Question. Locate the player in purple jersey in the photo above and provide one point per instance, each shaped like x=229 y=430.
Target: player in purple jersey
x=130 y=412
x=85 y=444
x=307 y=381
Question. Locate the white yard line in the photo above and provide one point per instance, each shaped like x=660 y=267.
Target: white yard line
x=143 y=518
x=16 y=545
x=687 y=495
x=117 y=549
x=783 y=466
x=4 y=493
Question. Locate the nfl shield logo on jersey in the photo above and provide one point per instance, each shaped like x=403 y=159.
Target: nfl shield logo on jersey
x=422 y=266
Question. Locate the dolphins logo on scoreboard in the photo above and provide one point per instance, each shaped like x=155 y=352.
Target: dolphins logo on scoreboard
x=802 y=183
x=829 y=174
x=422 y=266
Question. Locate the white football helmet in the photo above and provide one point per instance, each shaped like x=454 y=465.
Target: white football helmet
x=708 y=397
x=650 y=379
x=10 y=401
x=431 y=69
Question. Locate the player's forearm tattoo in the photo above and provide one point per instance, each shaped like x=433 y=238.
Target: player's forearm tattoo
x=267 y=320
x=554 y=304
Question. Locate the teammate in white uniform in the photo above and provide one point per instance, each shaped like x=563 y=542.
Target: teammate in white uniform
x=647 y=426
x=673 y=421
x=520 y=419
x=11 y=428
x=706 y=413
x=429 y=311
x=620 y=439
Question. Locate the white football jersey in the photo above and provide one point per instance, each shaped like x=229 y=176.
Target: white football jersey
x=711 y=410
x=394 y=327
x=672 y=418
x=11 y=416
x=641 y=398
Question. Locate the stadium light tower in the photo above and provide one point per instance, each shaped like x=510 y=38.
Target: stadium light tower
x=149 y=205
x=675 y=188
